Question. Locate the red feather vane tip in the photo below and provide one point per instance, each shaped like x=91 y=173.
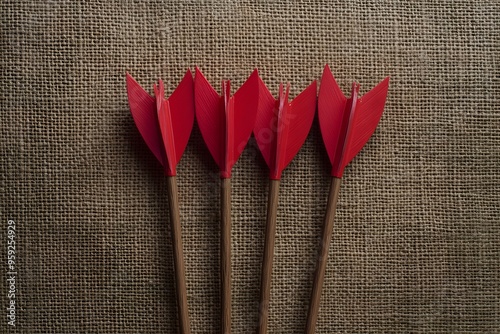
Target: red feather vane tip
x=164 y=124
x=226 y=121
x=347 y=123
x=281 y=126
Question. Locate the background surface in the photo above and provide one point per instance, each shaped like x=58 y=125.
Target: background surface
x=416 y=245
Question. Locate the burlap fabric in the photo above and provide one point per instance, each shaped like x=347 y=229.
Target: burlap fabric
x=416 y=246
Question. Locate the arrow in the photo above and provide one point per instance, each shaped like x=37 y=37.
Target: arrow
x=346 y=125
x=165 y=126
x=226 y=123
x=280 y=130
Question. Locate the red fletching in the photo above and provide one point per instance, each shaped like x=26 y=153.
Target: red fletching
x=226 y=121
x=143 y=110
x=164 y=124
x=281 y=127
x=347 y=124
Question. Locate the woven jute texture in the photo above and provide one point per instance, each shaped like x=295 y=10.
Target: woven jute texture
x=416 y=244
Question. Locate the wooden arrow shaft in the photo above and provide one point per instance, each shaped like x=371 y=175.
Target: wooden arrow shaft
x=180 y=275
x=267 y=262
x=323 y=255
x=225 y=254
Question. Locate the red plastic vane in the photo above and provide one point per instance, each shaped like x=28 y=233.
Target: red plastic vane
x=165 y=124
x=281 y=127
x=226 y=121
x=347 y=124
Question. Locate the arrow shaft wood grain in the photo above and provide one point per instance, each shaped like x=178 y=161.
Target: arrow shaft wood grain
x=267 y=262
x=323 y=255
x=225 y=254
x=180 y=275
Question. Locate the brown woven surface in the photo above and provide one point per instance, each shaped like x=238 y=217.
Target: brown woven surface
x=416 y=246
